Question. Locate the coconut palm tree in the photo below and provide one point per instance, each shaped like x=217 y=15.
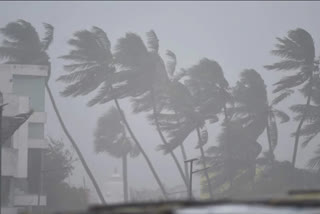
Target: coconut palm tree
x=194 y=103
x=23 y=46
x=147 y=81
x=93 y=65
x=111 y=137
x=272 y=127
x=297 y=53
x=238 y=148
x=312 y=121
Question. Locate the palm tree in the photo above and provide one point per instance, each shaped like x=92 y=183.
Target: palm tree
x=272 y=127
x=312 y=118
x=194 y=103
x=93 y=66
x=238 y=147
x=148 y=81
x=297 y=54
x=23 y=46
x=111 y=137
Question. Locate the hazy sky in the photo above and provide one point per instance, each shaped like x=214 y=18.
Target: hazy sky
x=238 y=35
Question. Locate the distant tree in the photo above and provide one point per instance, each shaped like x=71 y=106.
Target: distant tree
x=111 y=137
x=297 y=53
x=117 y=75
x=57 y=167
x=22 y=45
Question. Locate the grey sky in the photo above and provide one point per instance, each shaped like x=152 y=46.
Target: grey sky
x=238 y=35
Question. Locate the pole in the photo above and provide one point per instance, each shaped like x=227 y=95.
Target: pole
x=190 y=178
x=1 y=108
x=1 y=111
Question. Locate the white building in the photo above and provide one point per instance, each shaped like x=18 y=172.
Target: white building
x=114 y=189
x=23 y=87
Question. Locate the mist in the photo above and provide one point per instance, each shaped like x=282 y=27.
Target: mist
x=159 y=101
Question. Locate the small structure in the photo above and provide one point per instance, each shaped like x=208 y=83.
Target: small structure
x=114 y=188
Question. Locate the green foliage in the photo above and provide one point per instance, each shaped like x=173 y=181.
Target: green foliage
x=58 y=165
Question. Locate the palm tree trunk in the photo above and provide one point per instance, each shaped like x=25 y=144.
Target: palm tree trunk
x=204 y=164
x=83 y=162
x=141 y=149
x=125 y=177
x=296 y=143
x=164 y=141
x=184 y=155
x=269 y=142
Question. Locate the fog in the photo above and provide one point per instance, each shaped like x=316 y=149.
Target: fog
x=237 y=35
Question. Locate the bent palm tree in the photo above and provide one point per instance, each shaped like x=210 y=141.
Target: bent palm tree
x=194 y=103
x=298 y=54
x=94 y=66
x=146 y=78
x=312 y=126
x=110 y=136
x=24 y=46
x=238 y=147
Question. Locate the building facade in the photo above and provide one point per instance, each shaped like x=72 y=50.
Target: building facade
x=23 y=88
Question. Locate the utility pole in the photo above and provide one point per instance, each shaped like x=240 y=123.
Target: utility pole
x=1 y=111
x=191 y=172
x=1 y=107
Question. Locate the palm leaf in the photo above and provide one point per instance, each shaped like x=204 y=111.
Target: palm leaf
x=284 y=117
x=47 y=40
x=282 y=96
x=153 y=41
x=172 y=63
x=284 y=65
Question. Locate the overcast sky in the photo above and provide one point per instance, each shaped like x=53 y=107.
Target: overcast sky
x=238 y=35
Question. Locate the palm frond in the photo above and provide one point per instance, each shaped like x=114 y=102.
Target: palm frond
x=153 y=41
x=298 y=46
x=282 y=96
x=48 y=38
x=307 y=140
x=315 y=161
x=285 y=65
x=284 y=117
x=290 y=82
x=171 y=63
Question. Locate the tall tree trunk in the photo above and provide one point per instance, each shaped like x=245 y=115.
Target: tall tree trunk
x=204 y=164
x=269 y=141
x=125 y=177
x=164 y=141
x=82 y=160
x=141 y=149
x=184 y=156
x=296 y=143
